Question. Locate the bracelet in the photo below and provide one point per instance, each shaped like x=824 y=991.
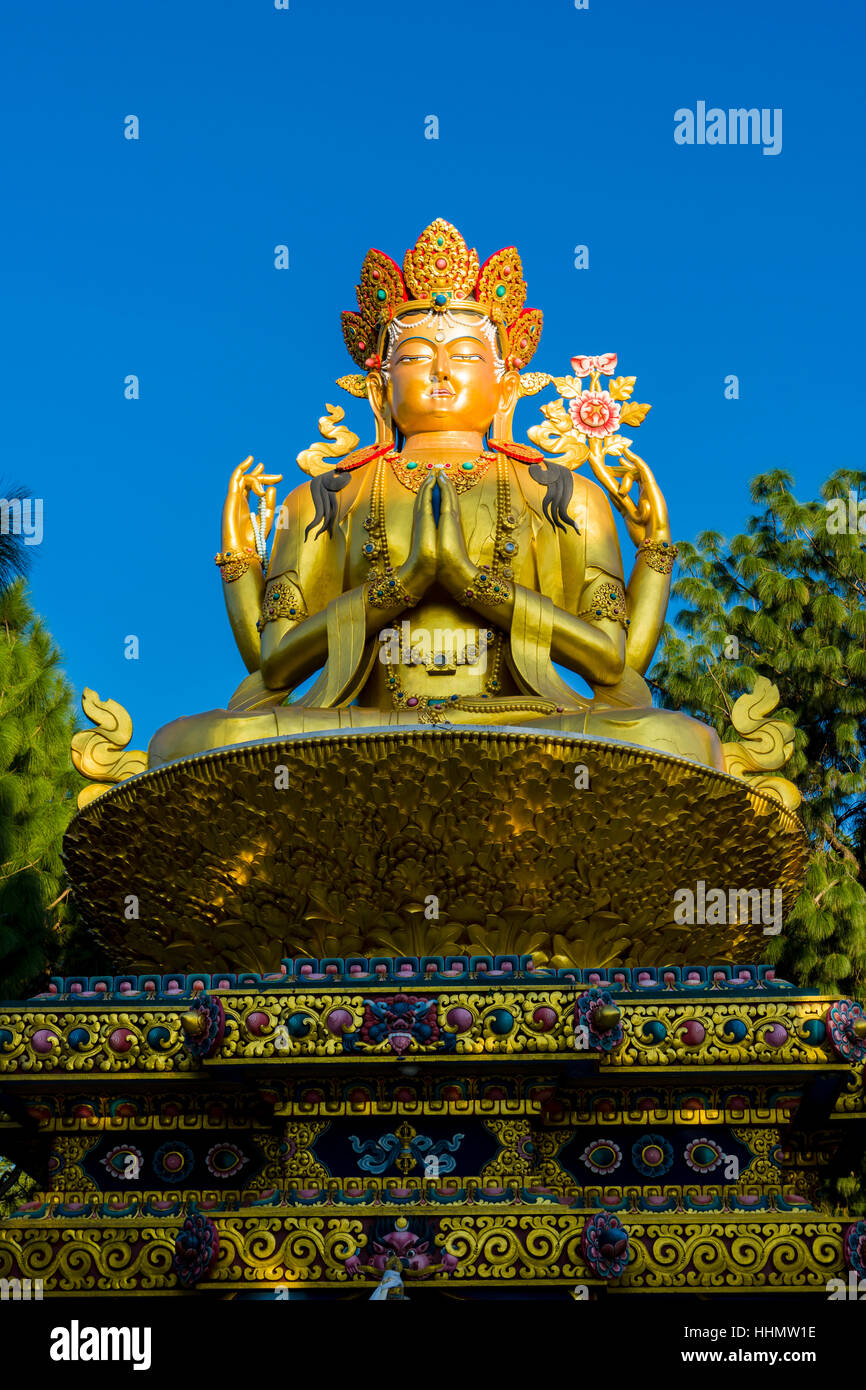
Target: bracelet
x=385 y=591
x=492 y=588
x=235 y=563
x=659 y=555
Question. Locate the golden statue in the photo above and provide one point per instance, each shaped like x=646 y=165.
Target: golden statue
x=397 y=771
x=442 y=573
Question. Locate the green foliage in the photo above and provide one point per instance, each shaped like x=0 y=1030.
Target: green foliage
x=847 y=1194
x=785 y=600
x=16 y=1187
x=38 y=787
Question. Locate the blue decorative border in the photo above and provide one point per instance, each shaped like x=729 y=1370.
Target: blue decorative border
x=304 y=972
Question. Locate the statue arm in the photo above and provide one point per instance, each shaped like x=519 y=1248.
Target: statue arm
x=595 y=649
x=241 y=569
x=648 y=593
x=243 y=600
x=303 y=577
x=592 y=646
x=648 y=526
x=307 y=575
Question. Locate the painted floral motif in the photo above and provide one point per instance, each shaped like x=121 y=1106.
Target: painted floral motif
x=214 y=1015
x=196 y=1248
x=224 y=1160
x=703 y=1156
x=841 y=1018
x=652 y=1155
x=588 y=1016
x=602 y=1156
x=595 y=413
x=173 y=1162
x=604 y=363
x=124 y=1161
x=855 y=1248
x=605 y=1246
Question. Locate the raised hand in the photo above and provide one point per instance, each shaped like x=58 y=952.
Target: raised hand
x=455 y=570
x=646 y=518
x=419 y=570
x=237 y=526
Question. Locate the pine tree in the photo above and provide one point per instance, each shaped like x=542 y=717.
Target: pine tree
x=38 y=786
x=785 y=600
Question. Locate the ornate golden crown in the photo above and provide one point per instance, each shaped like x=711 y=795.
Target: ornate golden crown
x=440 y=272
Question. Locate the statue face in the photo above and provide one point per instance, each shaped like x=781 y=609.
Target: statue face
x=443 y=386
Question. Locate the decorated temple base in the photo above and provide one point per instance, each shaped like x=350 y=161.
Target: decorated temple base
x=482 y=1125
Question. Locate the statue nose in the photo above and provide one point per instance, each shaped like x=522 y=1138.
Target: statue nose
x=441 y=364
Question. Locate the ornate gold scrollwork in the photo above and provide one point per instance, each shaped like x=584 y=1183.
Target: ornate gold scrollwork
x=101 y=754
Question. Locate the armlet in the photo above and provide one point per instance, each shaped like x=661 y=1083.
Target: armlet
x=282 y=600
x=607 y=600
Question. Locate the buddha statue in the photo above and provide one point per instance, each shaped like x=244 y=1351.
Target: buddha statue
x=441 y=574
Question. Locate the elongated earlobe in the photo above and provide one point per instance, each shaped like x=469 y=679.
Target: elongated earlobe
x=377 y=395
x=509 y=391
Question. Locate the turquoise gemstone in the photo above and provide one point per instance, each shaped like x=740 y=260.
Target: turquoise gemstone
x=500 y=291
x=380 y=294
x=412 y=464
x=468 y=466
x=440 y=299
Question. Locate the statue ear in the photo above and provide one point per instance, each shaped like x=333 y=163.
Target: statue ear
x=509 y=393
x=377 y=395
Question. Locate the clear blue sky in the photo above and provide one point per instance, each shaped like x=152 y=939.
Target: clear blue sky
x=306 y=127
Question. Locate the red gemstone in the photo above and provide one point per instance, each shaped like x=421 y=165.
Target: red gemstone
x=440 y=263
x=413 y=700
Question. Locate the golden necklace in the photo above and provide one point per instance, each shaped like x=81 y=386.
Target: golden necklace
x=411 y=473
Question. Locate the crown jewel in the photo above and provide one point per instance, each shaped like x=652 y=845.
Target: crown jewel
x=439 y=272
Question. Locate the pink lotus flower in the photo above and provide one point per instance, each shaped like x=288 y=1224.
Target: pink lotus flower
x=594 y=413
